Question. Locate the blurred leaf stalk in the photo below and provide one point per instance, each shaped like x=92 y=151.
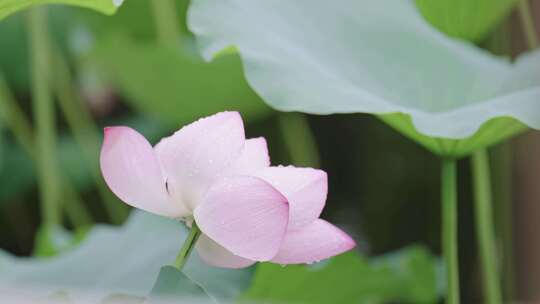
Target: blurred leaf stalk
x=482 y=185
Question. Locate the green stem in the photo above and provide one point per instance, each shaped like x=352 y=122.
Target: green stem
x=13 y=115
x=527 y=22
x=85 y=133
x=484 y=226
x=299 y=139
x=166 y=21
x=502 y=201
x=450 y=229
x=45 y=118
x=188 y=246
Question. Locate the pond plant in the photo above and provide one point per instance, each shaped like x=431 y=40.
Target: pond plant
x=415 y=65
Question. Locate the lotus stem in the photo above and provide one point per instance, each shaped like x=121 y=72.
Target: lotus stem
x=188 y=246
x=450 y=229
x=299 y=139
x=166 y=22
x=23 y=134
x=85 y=133
x=527 y=22
x=43 y=108
x=484 y=227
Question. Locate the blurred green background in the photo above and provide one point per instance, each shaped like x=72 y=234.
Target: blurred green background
x=384 y=189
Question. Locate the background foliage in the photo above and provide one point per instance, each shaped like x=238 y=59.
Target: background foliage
x=383 y=187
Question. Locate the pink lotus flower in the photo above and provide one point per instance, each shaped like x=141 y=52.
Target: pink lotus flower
x=208 y=172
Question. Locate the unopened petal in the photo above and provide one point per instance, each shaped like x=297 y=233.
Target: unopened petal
x=317 y=241
x=215 y=255
x=254 y=157
x=305 y=189
x=193 y=157
x=132 y=172
x=246 y=215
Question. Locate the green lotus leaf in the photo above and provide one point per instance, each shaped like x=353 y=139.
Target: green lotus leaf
x=114 y=261
x=8 y=7
x=374 y=56
x=409 y=275
x=466 y=19
x=492 y=132
x=173 y=284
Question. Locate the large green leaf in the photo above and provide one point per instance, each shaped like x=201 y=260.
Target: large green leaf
x=116 y=261
x=136 y=19
x=377 y=57
x=176 y=85
x=173 y=284
x=8 y=7
x=491 y=132
x=470 y=20
x=466 y=19
x=409 y=275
